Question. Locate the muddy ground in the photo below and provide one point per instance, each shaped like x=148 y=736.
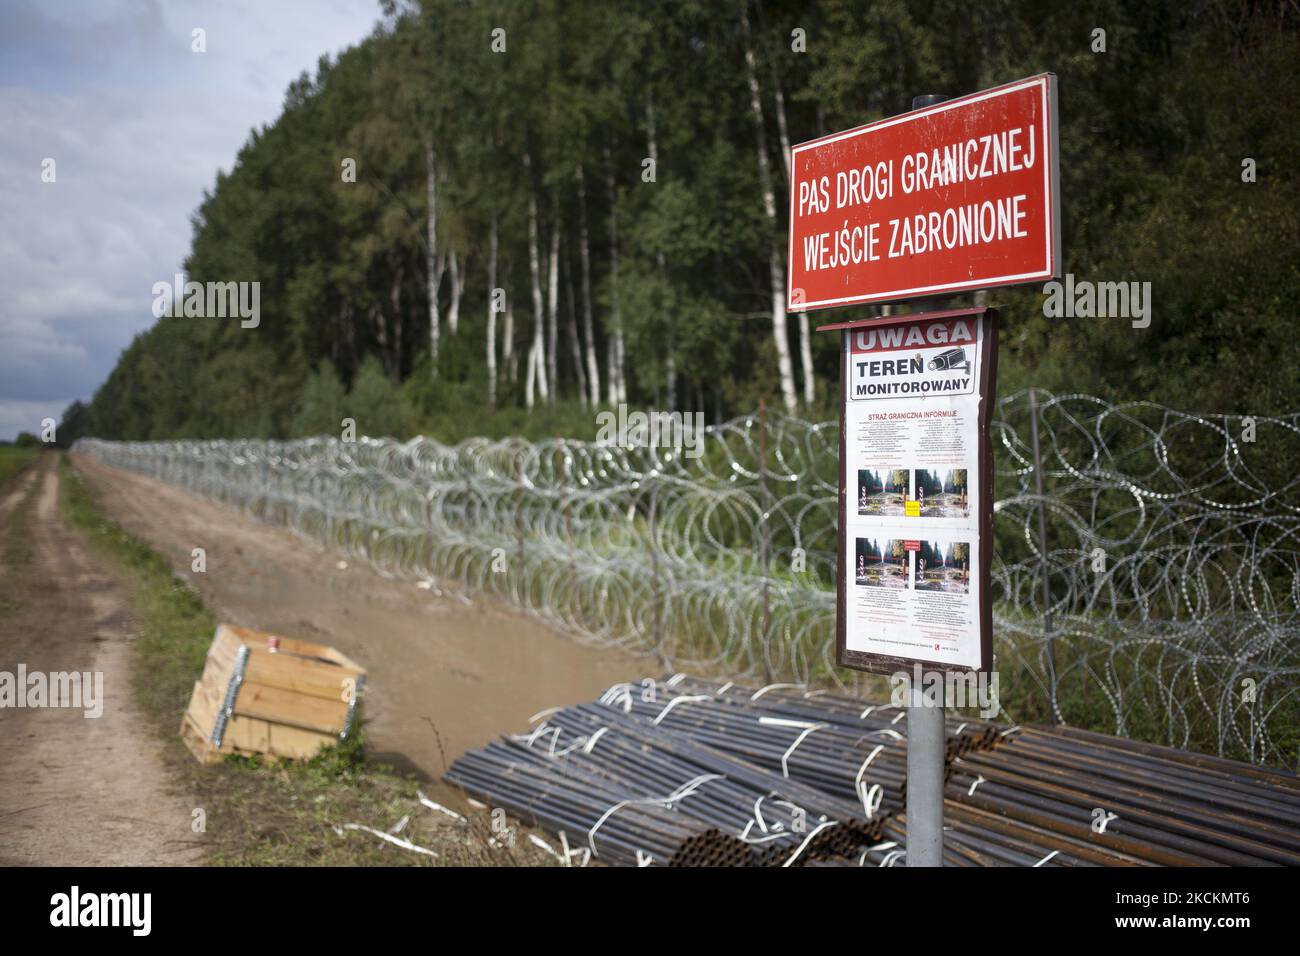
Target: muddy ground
x=75 y=791
x=472 y=668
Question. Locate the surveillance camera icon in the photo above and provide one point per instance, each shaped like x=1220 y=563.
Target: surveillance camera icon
x=951 y=359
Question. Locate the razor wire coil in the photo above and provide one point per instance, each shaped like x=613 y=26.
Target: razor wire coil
x=1173 y=563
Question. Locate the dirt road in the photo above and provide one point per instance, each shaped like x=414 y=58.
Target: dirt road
x=473 y=671
x=75 y=791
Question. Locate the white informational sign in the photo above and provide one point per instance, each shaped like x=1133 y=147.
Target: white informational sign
x=915 y=513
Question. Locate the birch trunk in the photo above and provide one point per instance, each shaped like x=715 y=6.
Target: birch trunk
x=780 y=331
x=508 y=354
x=617 y=381
x=670 y=359
x=805 y=332
x=553 y=306
x=780 y=123
x=530 y=377
x=536 y=376
x=575 y=341
x=584 y=251
x=457 y=290
x=492 y=315
x=806 y=360
x=433 y=265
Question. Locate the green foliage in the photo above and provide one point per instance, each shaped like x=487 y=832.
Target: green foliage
x=1153 y=135
x=378 y=406
x=75 y=423
x=322 y=404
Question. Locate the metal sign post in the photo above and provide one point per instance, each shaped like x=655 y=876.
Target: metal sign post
x=925 y=739
x=925 y=742
x=915 y=524
x=954 y=196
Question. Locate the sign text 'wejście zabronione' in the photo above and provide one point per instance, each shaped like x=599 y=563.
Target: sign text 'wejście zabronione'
x=957 y=196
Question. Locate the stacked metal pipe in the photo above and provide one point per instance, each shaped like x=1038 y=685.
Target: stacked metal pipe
x=564 y=801
x=964 y=733
x=1157 y=804
x=592 y=771
x=974 y=837
x=856 y=757
x=839 y=744
x=697 y=773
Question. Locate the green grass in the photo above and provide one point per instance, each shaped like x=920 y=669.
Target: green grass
x=16 y=549
x=175 y=626
x=14 y=459
x=263 y=813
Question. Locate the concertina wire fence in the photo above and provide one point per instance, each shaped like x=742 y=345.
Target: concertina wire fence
x=1172 y=558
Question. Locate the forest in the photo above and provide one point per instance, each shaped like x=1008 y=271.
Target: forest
x=497 y=217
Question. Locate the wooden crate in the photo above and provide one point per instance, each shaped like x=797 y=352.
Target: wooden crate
x=286 y=703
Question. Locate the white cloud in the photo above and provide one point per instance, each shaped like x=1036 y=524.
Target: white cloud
x=138 y=127
x=18 y=417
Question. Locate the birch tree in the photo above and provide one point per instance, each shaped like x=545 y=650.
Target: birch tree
x=670 y=360
x=617 y=381
x=433 y=263
x=492 y=314
x=805 y=332
x=553 y=306
x=535 y=383
x=575 y=339
x=776 y=271
x=457 y=279
x=584 y=252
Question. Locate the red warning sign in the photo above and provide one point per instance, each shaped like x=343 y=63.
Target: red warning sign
x=957 y=196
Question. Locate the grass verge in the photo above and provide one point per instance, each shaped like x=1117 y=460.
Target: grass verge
x=14 y=459
x=15 y=551
x=256 y=813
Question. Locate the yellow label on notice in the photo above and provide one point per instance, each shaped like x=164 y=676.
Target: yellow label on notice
x=912 y=509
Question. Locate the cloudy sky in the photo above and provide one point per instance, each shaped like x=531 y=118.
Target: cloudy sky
x=137 y=125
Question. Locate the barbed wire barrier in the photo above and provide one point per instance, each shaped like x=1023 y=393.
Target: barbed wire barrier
x=1172 y=564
